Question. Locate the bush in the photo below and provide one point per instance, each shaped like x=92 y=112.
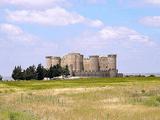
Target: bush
x=1 y=77
x=152 y=76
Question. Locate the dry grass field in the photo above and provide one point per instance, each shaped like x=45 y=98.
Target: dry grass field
x=83 y=99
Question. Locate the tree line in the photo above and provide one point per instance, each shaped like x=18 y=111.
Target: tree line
x=1 y=77
x=39 y=72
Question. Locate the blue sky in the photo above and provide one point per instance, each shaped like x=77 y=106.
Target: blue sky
x=31 y=30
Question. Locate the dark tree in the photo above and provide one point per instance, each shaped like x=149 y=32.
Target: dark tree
x=17 y=73
x=65 y=71
x=46 y=73
x=24 y=75
x=30 y=73
x=54 y=71
x=40 y=72
x=1 y=77
x=57 y=70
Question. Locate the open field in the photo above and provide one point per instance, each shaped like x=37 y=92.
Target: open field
x=83 y=99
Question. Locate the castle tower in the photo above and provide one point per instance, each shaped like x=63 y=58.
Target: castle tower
x=103 y=63
x=56 y=61
x=112 y=62
x=75 y=60
x=79 y=63
x=112 y=65
x=94 y=63
x=48 y=61
x=86 y=64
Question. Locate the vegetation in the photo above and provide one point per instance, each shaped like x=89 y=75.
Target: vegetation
x=65 y=71
x=133 y=98
x=30 y=73
x=39 y=73
x=1 y=77
x=152 y=76
x=18 y=73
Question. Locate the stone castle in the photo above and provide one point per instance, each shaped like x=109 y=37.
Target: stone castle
x=94 y=66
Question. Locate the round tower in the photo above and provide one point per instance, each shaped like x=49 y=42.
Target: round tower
x=103 y=63
x=75 y=60
x=48 y=61
x=79 y=63
x=86 y=64
x=56 y=61
x=112 y=62
x=94 y=63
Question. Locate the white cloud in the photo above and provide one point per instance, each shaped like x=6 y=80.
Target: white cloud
x=12 y=35
x=21 y=48
x=124 y=34
x=96 y=1
x=10 y=29
x=34 y=3
x=139 y=3
x=153 y=2
x=55 y=17
x=95 y=23
x=113 y=37
x=153 y=21
x=47 y=3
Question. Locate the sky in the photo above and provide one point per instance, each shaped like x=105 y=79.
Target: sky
x=33 y=29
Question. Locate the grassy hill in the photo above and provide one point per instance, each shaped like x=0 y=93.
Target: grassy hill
x=136 y=98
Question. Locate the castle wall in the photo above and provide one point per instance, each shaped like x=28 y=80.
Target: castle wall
x=49 y=61
x=92 y=74
x=112 y=62
x=103 y=63
x=94 y=63
x=74 y=61
x=56 y=60
x=79 y=63
x=86 y=64
x=113 y=73
x=94 y=66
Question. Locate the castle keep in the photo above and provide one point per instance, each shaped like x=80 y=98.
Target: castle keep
x=94 y=66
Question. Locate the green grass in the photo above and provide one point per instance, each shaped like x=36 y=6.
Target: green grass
x=134 y=98
x=10 y=114
x=89 y=82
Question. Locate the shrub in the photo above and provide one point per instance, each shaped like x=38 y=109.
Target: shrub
x=152 y=76
x=1 y=77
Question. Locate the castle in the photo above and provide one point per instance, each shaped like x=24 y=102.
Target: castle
x=94 y=66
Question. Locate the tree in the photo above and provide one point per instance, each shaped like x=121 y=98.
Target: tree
x=151 y=76
x=65 y=71
x=1 y=77
x=54 y=71
x=30 y=73
x=51 y=72
x=17 y=73
x=57 y=70
x=46 y=73
x=40 y=72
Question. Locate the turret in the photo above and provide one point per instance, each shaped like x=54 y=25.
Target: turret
x=112 y=62
x=56 y=61
x=75 y=60
x=112 y=65
x=103 y=63
x=94 y=63
x=48 y=61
